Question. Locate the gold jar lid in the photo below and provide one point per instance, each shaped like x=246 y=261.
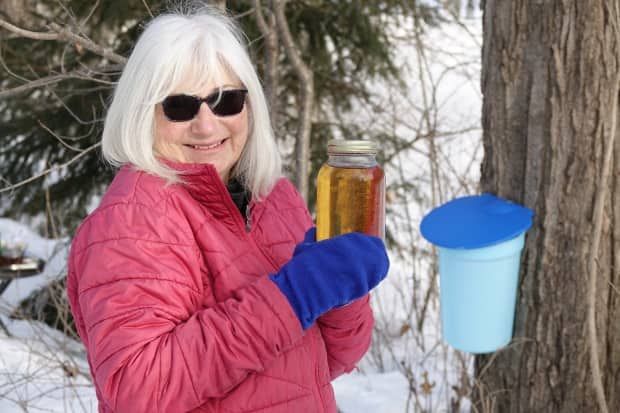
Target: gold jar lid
x=351 y=146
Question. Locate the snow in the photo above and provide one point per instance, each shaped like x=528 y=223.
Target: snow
x=373 y=392
x=42 y=370
x=38 y=371
x=54 y=252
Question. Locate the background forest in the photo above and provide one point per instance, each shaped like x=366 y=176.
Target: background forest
x=404 y=73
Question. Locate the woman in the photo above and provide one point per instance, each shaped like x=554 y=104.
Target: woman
x=192 y=286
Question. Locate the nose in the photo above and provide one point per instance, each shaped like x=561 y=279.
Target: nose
x=205 y=121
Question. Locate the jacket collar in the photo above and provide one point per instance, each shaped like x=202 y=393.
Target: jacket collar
x=204 y=184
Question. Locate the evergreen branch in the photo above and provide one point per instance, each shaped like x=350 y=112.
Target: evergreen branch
x=63 y=34
x=50 y=169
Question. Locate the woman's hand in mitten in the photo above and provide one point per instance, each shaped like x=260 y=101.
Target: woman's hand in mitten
x=330 y=273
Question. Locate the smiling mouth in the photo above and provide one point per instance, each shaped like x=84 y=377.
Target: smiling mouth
x=206 y=147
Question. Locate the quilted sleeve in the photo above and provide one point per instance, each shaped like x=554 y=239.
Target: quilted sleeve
x=347 y=332
x=151 y=345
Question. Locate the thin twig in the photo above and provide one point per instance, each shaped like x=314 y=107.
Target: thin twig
x=50 y=169
x=60 y=33
x=66 y=34
x=49 y=214
x=34 y=84
x=7 y=69
x=59 y=139
x=148 y=9
x=90 y=14
x=83 y=74
x=27 y=33
x=70 y=112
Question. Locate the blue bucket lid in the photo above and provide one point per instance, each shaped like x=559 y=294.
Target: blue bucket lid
x=475 y=222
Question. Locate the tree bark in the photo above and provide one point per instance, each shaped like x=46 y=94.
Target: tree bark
x=305 y=99
x=550 y=82
x=269 y=30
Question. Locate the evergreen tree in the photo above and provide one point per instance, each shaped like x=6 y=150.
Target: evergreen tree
x=344 y=43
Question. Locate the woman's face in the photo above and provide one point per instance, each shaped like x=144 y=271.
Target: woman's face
x=206 y=138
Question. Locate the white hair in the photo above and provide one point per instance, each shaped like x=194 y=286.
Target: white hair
x=177 y=48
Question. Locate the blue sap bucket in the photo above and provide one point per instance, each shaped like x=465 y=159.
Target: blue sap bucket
x=480 y=239
x=478 y=290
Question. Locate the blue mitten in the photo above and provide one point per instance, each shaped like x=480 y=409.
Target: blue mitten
x=330 y=273
x=309 y=239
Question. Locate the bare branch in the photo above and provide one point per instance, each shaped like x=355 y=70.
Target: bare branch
x=90 y=13
x=260 y=19
x=59 y=139
x=27 y=33
x=87 y=73
x=63 y=34
x=50 y=169
x=66 y=34
x=148 y=9
x=33 y=84
x=71 y=112
x=7 y=69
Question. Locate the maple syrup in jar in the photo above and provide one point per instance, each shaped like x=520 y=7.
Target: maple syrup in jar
x=350 y=190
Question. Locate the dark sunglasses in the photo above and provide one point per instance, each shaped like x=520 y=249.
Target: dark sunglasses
x=181 y=108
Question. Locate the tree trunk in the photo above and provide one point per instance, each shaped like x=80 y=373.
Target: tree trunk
x=305 y=99
x=550 y=81
x=268 y=28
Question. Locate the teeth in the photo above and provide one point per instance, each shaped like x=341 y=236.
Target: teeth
x=213 y=145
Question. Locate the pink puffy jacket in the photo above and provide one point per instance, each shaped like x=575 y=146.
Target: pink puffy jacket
x=169 y=289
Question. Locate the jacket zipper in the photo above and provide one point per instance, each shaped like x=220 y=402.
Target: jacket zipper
x=248 y=228
x=248 y=218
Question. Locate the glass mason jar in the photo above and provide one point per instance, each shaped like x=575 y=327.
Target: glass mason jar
x=350 y=190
